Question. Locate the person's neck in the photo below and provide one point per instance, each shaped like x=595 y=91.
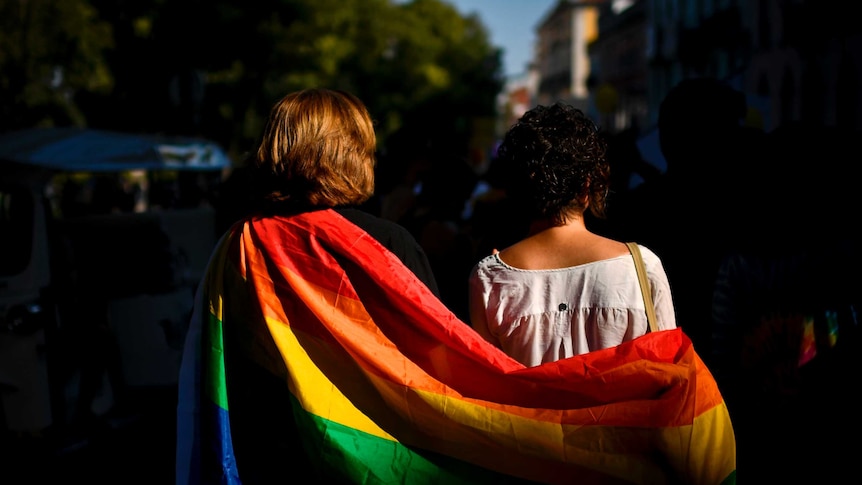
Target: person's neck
x=573 y=223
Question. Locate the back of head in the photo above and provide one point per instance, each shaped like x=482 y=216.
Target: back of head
x=555 y=160
x=317 y=150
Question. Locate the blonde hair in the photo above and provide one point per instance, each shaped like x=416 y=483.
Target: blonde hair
x=317 y=150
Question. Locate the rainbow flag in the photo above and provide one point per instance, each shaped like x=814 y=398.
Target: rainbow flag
x=389 y=386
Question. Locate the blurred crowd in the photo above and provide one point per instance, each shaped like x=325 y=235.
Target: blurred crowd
x=756 y=232
x=755 y=229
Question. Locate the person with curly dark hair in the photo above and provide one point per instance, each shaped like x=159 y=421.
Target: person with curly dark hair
x=563 y=289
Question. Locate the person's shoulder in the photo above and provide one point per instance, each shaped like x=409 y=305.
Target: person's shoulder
x=488 y=260
x=374 y=225
x=485 y=266
x=646 y=250
x=390 y=234
x=649 y=256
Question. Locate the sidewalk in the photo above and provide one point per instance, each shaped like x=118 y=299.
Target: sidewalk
x=137 y=447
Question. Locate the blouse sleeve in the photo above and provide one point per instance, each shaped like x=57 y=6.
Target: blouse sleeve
x=478 y=316
x=661 y=295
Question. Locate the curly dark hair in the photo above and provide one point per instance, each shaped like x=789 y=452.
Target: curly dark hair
x=555 y=160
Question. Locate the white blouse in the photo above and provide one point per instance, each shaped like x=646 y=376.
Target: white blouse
x=539 y=316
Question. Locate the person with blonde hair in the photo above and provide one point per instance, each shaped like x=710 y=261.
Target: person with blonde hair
x=318 y=151
x=317 y=154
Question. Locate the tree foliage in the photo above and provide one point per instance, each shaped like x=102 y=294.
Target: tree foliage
x=50 y=50
x=214 y=68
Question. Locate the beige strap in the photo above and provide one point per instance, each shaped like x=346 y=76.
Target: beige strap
x=645 y=287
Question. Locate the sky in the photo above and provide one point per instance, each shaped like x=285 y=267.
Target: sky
x=511 y=25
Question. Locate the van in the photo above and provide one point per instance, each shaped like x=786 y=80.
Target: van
x=103 y=239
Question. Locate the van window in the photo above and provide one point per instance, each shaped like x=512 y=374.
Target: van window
x=16 y=228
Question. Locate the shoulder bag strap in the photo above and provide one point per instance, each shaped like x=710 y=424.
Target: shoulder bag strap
x=645 y=287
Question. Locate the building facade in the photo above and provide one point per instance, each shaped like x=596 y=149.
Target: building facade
x=518 y=96
x=796 y=60
x=806 y=61
x=562 y=60
x=619 y=70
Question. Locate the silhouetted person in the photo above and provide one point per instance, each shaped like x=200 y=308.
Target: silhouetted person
x=435 y=220
x=628 y=170
x=628 y=167
x=399 y=169
x=683 y=214
x=232 y=201
x=786 y=335
x=496 y=221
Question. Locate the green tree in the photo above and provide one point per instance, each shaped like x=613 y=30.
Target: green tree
x=446 y=70
x=50 y=50
x=214 y=68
